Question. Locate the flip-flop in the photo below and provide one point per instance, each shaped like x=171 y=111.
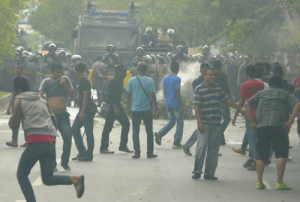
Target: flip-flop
x=80 y=186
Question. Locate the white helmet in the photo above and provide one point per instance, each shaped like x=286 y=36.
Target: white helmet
x=52 y=45
x=76 y=58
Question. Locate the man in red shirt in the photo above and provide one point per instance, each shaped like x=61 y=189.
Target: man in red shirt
x=249 y=88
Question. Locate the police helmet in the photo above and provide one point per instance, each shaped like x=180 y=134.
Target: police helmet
x=179 y=48
x=52 y=45
x=62 y=52
x=148 y=29
x=110 y=47
x=139 y=49
x=21 y=48
x=76 y=58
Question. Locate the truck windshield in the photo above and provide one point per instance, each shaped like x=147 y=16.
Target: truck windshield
x=100 y=37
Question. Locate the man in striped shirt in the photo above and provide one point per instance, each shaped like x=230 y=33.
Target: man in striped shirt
x=207 y=98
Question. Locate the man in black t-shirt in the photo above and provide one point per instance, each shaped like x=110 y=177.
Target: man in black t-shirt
x=84 y=116
x=18 y=70
x=222 y=80
x=116 y=111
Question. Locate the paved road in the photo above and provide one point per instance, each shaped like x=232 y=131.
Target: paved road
x=119 y=178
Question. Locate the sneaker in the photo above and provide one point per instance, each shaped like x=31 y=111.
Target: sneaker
x=196 y=176
x=238 y=150
x=260 y=185
x=66 y=167
x=248 y=163
x=24 y=145
x=186 y=150
x=79 y=187
x=106 y=151
x=282 y=186
x=76 y=157
x=150 y=156
x=136 y=156
x=125 y=149
x=12 y=143
x=177 y=146
x=252 y=168
x=86 y=158
x=157 y=138
x=289 y=158
x=210 y=177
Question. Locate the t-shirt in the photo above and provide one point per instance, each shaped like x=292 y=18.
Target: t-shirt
x=171 y=83
x=296 y=82
x=114 y=91
x=52 y=88
x=139 y=100
x=250 y=88
x=297 y=95
x=209 y=102
x=221 y=79
x=197 y=82
x=273 y=106
x=84 y=85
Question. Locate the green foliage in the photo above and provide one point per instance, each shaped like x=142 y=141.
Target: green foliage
x=253 y=26
x=56 y=18
x=8 y=11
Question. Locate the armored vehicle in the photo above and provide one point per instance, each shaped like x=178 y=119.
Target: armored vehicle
x=99 y=28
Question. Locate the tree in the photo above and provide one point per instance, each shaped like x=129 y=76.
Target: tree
x=55 y=19
x=8 y=12
x=254 y=27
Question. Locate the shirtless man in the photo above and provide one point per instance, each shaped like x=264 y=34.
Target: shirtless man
x=57 y=88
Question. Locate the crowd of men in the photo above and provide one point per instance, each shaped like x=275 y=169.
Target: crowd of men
x=268 y=99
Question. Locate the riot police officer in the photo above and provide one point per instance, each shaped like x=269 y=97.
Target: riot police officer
x=206 y=55
x=51 y=57
x=110 y=58
x=180 y=55
x=140 y=56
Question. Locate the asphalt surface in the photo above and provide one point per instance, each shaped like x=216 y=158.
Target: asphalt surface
x=119 y=178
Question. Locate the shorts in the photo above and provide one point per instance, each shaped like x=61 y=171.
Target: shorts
x=275 y=135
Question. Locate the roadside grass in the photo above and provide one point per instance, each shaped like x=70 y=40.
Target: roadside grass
x=3 y=93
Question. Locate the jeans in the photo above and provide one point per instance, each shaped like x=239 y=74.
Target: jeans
x=251 y=136
x=225 y=111
x=298 y=127
x=191 y=141
x=174 y=115
x=137 y=117
x=245 y=143
x=109 y=122
x=208 y=141
x=88 y=123
x=15 y=134
x=64 y=127
x=45 y=154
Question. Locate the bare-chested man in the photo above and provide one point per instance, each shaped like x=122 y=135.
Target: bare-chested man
x=57 y=88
